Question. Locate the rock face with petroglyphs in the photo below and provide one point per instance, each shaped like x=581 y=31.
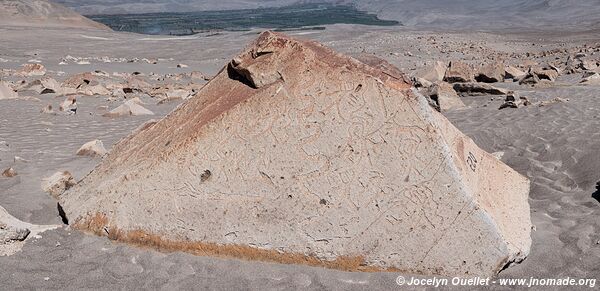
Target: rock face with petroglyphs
x=296 y=154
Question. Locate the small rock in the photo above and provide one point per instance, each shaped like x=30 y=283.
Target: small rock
x=47 y=109
x=9 y=173
x=553 y=101
x=8 y=234
x=182 y=65
x=509 y=104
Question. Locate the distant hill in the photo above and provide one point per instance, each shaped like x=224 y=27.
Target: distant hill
x=459 y=14
x=42 y=13
x=489 y=14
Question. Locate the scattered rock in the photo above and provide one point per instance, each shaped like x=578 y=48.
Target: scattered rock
x=67 y=103
x=514 y=100
x=444 y=97
x=553 y=101
x=93 y=148
x=433 y=73
x=591 y=79
x=47 y=109
x=28 y=70
x=491 y=73
x=8 y=234
x=514 y=73
x=45 y=85
x=58 y=183
x=546 y=74
x=129 y=108
x=459 y=72
x=421 y=83
x=530 y=78
x=6 y=92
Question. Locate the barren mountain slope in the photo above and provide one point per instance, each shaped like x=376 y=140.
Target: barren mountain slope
x=42 y=13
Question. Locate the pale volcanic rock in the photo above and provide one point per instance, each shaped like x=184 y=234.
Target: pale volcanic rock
x=94 y=148
x=294 y=153
x=459 y=72
x=56 y=184
x=129 y=108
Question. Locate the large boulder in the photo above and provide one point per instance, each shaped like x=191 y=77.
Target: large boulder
x=459 y=72
x=296 y=154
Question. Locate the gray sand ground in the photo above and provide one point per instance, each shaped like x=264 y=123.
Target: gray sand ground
x=555 y=146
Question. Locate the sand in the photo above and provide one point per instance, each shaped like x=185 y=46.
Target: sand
x=555 y=146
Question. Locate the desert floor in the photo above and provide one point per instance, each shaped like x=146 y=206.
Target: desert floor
x=556 y=146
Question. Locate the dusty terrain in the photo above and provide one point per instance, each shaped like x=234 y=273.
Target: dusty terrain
x=555 y=146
